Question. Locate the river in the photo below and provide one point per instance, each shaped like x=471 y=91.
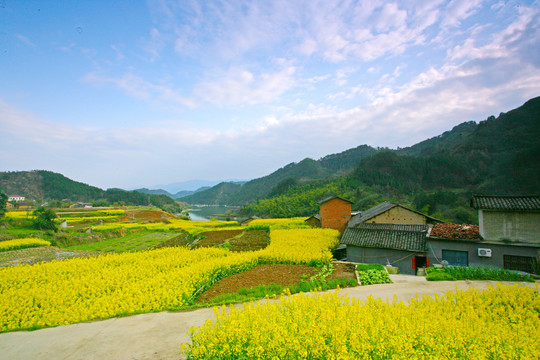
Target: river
x=205 y=213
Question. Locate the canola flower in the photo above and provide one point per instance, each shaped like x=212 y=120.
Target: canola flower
x=19 y=214
x=192 y=227
x=75 y=290
x=22 y=244
x=498 y=323
x=84 y=218
x=300 y=246
x=281 y=223
x=70 y=291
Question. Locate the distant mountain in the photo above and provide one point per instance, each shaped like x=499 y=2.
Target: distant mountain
x=41 y=185
x=191 y=185
x=497 y=155
x=304 y=171
x=154 y=192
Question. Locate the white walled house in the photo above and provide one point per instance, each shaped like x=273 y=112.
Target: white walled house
x=16 y=198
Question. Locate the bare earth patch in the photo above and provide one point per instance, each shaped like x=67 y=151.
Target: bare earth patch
x=250 y=241
x=41 y=254
x=281 y=274
x=216 y=238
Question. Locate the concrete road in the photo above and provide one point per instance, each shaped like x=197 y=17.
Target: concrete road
x=159 y=335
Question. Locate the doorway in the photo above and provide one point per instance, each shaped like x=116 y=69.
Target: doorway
x=419 y=261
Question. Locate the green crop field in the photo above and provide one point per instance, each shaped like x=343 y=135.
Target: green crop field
x=136 y=241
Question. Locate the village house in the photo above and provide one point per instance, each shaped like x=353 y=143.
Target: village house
x=402 y=246
x=335 y=213
x=314 y=220
x=248 y=220
x=507 y=237
x=16 y=198
x=390 y=213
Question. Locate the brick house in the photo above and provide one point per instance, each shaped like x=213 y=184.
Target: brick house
x=335 y=213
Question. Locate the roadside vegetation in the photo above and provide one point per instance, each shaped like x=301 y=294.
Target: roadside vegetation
x=451 y=273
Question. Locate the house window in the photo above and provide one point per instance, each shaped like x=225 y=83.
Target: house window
x=520 y=263
x=457 y=258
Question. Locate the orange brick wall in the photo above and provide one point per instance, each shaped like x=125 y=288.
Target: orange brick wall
x=335 y=214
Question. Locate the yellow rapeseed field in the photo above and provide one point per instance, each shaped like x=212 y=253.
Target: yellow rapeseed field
x=301 y=246
x=19 y=214
x=22 y=243
x=192 y=227
x=70 y=291
x=63 y=292
x=281 y=223
x=499 y=323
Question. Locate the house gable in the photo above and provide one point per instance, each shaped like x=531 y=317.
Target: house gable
x=335 y=213
x=508 y=218
x=390 y=213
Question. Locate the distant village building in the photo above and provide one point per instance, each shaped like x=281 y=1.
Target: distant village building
x=16 y=198
x=248 y=220
x=314 y=221
x=335 y=213
x=81 y=205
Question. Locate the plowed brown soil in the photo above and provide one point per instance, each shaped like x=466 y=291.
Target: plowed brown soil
x=281 y=274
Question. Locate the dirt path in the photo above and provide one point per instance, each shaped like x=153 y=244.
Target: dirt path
x=159 y=335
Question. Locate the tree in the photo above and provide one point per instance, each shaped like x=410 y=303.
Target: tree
x=3 y=200
x=44 y=219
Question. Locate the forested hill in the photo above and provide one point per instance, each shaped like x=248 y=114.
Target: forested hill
x=497 y=155
x=302 y=172
x=47 y=185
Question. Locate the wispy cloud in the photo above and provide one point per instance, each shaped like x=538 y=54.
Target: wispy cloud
x=240 y=86
x=141 y=89
x=26 y=41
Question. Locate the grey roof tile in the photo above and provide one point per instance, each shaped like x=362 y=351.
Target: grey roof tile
x=491 y=202
x=387 y=236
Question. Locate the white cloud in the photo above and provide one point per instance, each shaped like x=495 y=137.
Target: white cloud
x=26 y=41
x=240 y=86
x=459 y=10
x=141 y=89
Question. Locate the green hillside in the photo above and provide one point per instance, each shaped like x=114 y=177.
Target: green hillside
x=498 y=155
x=303 y=172
x=41 y=185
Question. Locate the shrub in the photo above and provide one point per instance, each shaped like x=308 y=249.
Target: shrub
x=485 y=273
x=438 y=274
x=474 y=273
x=372 y=276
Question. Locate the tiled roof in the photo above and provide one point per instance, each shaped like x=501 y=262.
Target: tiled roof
x=455 y=231
x=333 y=197
x=378 y=210
x=316 y=216
x=371 y=212
x=486 y=202
x=387 y=236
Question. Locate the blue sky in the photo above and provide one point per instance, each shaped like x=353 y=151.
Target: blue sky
x=132 y=93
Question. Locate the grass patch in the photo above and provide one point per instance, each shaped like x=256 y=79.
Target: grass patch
x=474 y=273
x=136 y=241
x=365 y=267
